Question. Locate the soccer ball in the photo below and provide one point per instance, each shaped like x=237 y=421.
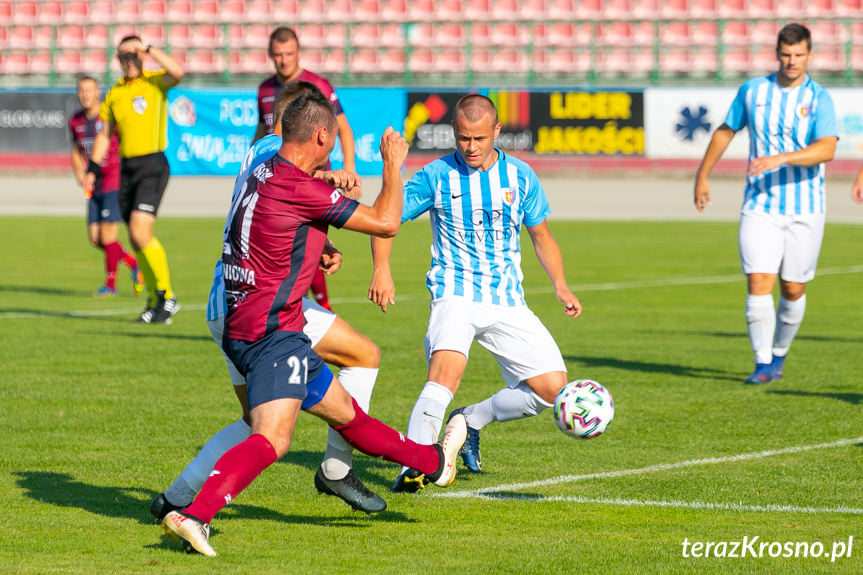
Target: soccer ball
x=583 y=409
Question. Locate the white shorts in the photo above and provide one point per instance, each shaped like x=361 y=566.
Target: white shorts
x=516 y=338
x=787 y=245
x=318 y=322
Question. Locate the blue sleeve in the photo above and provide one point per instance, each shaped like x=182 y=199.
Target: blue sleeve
x=535 y=205
x=419 y=196
x=736 y=117
x=825 y=117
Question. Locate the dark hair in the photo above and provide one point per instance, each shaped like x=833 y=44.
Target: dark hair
x=473 y=106
x=125 y=39
x=305 y=114
x=87 y=78
x=282 y=34
x=288 y=94
x=794 y=34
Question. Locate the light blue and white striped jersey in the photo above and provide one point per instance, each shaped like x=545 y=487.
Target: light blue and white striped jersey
x=783 y=120
x=476 y=220
x=260 y=152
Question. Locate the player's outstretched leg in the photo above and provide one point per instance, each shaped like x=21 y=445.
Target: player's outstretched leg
x=191 y=531
x=412 y=480
x=351 y=490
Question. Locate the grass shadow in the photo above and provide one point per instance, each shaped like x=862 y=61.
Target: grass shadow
x=852 y=398
x=63 y=490
x=656 y=367
x=43 y=290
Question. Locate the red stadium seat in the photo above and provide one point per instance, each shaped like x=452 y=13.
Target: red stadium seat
x=206 y=11
x=5 y=12
x=154 y=11
x=334 y=62
x=421 y=10
x=253 y=61
x=152 y=34
x=506 y=10
x=675 y=61
x=848 y=7
x=261 y=11
x=312 y=58
x=510 y=62
x=675 y=34
x=477 y=9
x=763 y=60
x=829 y=59
x=421 y=60
x=339 y=10
x=95 y=62
x=77 y=12
x=615 y=33
x=648 y=9
x=232 y=11
x=205 y=62
x=829 y=33
x=563 y=9
x=585 y=8
x=16 y=63
x=703 y=9
x=21 y=37
x=207 y=36
x=51 y=12
x=394 y=10
x=180 y=11
x=392 y=35
x=40 y=63
x=422 y=34
x=642 y=62
x=736 y=61
x=736 y=33
x=617 y=8
x=25 y=13
x=533 y=9
x=312 y=11
x=795 y=8
x=761 y=8
x=180 y=36
x=96 y=36
x=68 y=62
x=257 y=36
x=613 y=62
x=101 y=12
x=128 y=11
x=450 y=61
x=121 y=31
x=365 y=61
x=644 y=33
x=674 y=9
x=509 y=34
x=368 y=11
x=287 y=10
x=312 y=35
x=449 y=9
x=392 y=61
x=71 y=37
x=732 y=9
x=763 y=32
x=704 y=33
x=364 y=35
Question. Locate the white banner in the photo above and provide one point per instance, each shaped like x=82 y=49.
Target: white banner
x=678 y=122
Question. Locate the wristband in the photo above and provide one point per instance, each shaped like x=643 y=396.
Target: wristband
x=148 y=48
x=94 y=168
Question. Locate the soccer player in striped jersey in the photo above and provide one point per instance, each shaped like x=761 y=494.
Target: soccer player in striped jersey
x=103 y=207
x=331 y=337
x=792 y=134
x=479 y=198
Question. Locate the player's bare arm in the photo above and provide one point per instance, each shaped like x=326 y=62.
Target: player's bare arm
x=383 y=218
x=346 y=137
x=79 y=166
x=857 y=188
x=549 y=256
x=820 y=151
x=718 y=144
x=100 y=149
x=382 y=290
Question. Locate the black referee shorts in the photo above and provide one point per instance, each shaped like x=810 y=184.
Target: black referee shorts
x=143 y=180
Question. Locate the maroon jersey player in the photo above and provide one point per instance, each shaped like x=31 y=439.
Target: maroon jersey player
x=284 y=50
x=274 y=237
x=103 y=207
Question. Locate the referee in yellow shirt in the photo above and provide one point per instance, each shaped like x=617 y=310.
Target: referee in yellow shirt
x=136 y=107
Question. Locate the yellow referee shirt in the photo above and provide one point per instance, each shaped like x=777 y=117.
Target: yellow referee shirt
x=139 y=110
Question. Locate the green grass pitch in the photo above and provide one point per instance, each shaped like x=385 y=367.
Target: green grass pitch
x=99 y=414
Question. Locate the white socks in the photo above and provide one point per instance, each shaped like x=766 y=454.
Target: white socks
x=427 y=415
x=190 y=481
x=789 y=316
x=359 y=382
x=508 y=404
x=761 y=322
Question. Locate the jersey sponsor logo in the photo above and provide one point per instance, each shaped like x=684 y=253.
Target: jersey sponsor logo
x=334 y=197
x=139 y=104
x=471 y=237
x=804 y=111
x=238 y=273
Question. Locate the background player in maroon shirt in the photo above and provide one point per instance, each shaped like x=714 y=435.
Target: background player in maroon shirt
x=277 y=230
x=284 y=50
x=103 y=208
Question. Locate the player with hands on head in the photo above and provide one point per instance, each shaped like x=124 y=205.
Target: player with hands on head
x=479 y=198
x=792 y=133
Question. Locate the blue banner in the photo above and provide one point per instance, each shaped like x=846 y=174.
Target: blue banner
x=210 y=130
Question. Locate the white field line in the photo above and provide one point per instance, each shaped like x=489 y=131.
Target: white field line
x=680 y=504
x=612 y=286
x=504 y=491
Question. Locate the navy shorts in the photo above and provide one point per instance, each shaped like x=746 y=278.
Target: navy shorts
x=281 y=365
x=103 y=208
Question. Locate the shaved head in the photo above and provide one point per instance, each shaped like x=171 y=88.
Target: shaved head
x=473 y=108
